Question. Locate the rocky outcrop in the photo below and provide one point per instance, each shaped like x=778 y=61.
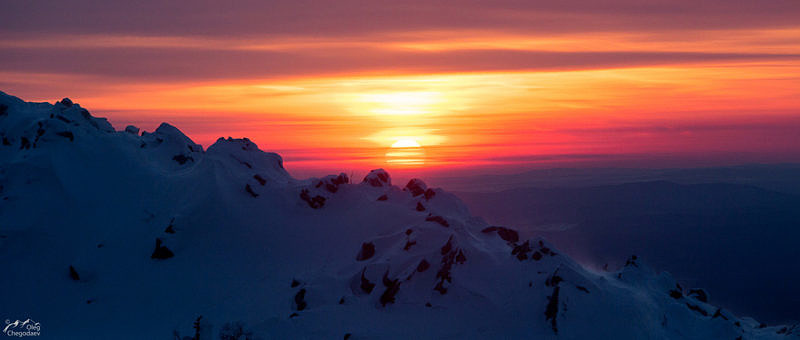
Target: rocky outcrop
x=378 y=178
x=416 y=187
x=73 y=274
x=698 y=294
x=315 y=202
x=365 y=285
x=366 y=252
x=300 y=300
x=392 y=288
x=161 y=252
x=438 y=219
x=250 y=190
x=331 y=183
x=507 y=234
x=451 y=255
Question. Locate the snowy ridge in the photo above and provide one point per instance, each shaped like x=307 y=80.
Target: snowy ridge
x=108 y=233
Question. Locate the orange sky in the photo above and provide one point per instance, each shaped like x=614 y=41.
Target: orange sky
x=503 y=93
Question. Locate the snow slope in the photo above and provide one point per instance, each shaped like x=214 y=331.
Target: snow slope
x=159 y=232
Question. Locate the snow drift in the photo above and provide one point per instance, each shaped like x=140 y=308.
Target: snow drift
x=116 y=234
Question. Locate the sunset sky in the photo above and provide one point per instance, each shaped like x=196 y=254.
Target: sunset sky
x=472 y=86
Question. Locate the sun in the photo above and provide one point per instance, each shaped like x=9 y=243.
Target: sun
x=406 y=152
x=405 y=143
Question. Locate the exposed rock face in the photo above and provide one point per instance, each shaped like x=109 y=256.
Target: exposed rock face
x=423 y=266
x=73 y=274
x=300 y=300
x=697 y=309
x=250 y=191
x=378 y=178
x=366 y=252
x=170 y=229
x=429 y=193
x=366 y=286
x=24 y=143
x=260 y=179
x=451 y=255
x=161 y=252
x=699 y=294
x=392 y=288
x=66 y=134
x=416 y=187
x=537 y=251
x=438 y=219
x=315 y=202
x=182 y=159
x=551 y=311
x=510 y=235
x=331 y=183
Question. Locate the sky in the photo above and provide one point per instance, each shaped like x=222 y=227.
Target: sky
x=429 y=86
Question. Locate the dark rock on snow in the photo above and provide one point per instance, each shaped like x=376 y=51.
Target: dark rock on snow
x=699 y=294
x=366 y=285
x=423 y=266
x=366 y=252
x=551 y=311
x=249 y=190
x=170 y=228
x=378 y=178
x=522 y=250
x=182 y=159
x=392 y=288
x=416 y=187
x=66 y=134
x=315 y=202
x=507 y=234
x=260 y=179
x=299 y=299
x=161 y=252
x=697 y=308
x=73 y=274
x=438 y=219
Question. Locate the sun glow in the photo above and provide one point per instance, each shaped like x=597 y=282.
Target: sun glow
x=406 y=152
x=406 y=143
x=413 y=156
x=481 y=118
x=400 y=103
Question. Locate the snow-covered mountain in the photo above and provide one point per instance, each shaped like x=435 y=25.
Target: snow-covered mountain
x=117 y=234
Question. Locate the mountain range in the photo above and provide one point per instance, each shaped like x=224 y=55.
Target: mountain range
x=109 y=233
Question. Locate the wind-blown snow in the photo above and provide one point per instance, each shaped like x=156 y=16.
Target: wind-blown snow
x=240 y=240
